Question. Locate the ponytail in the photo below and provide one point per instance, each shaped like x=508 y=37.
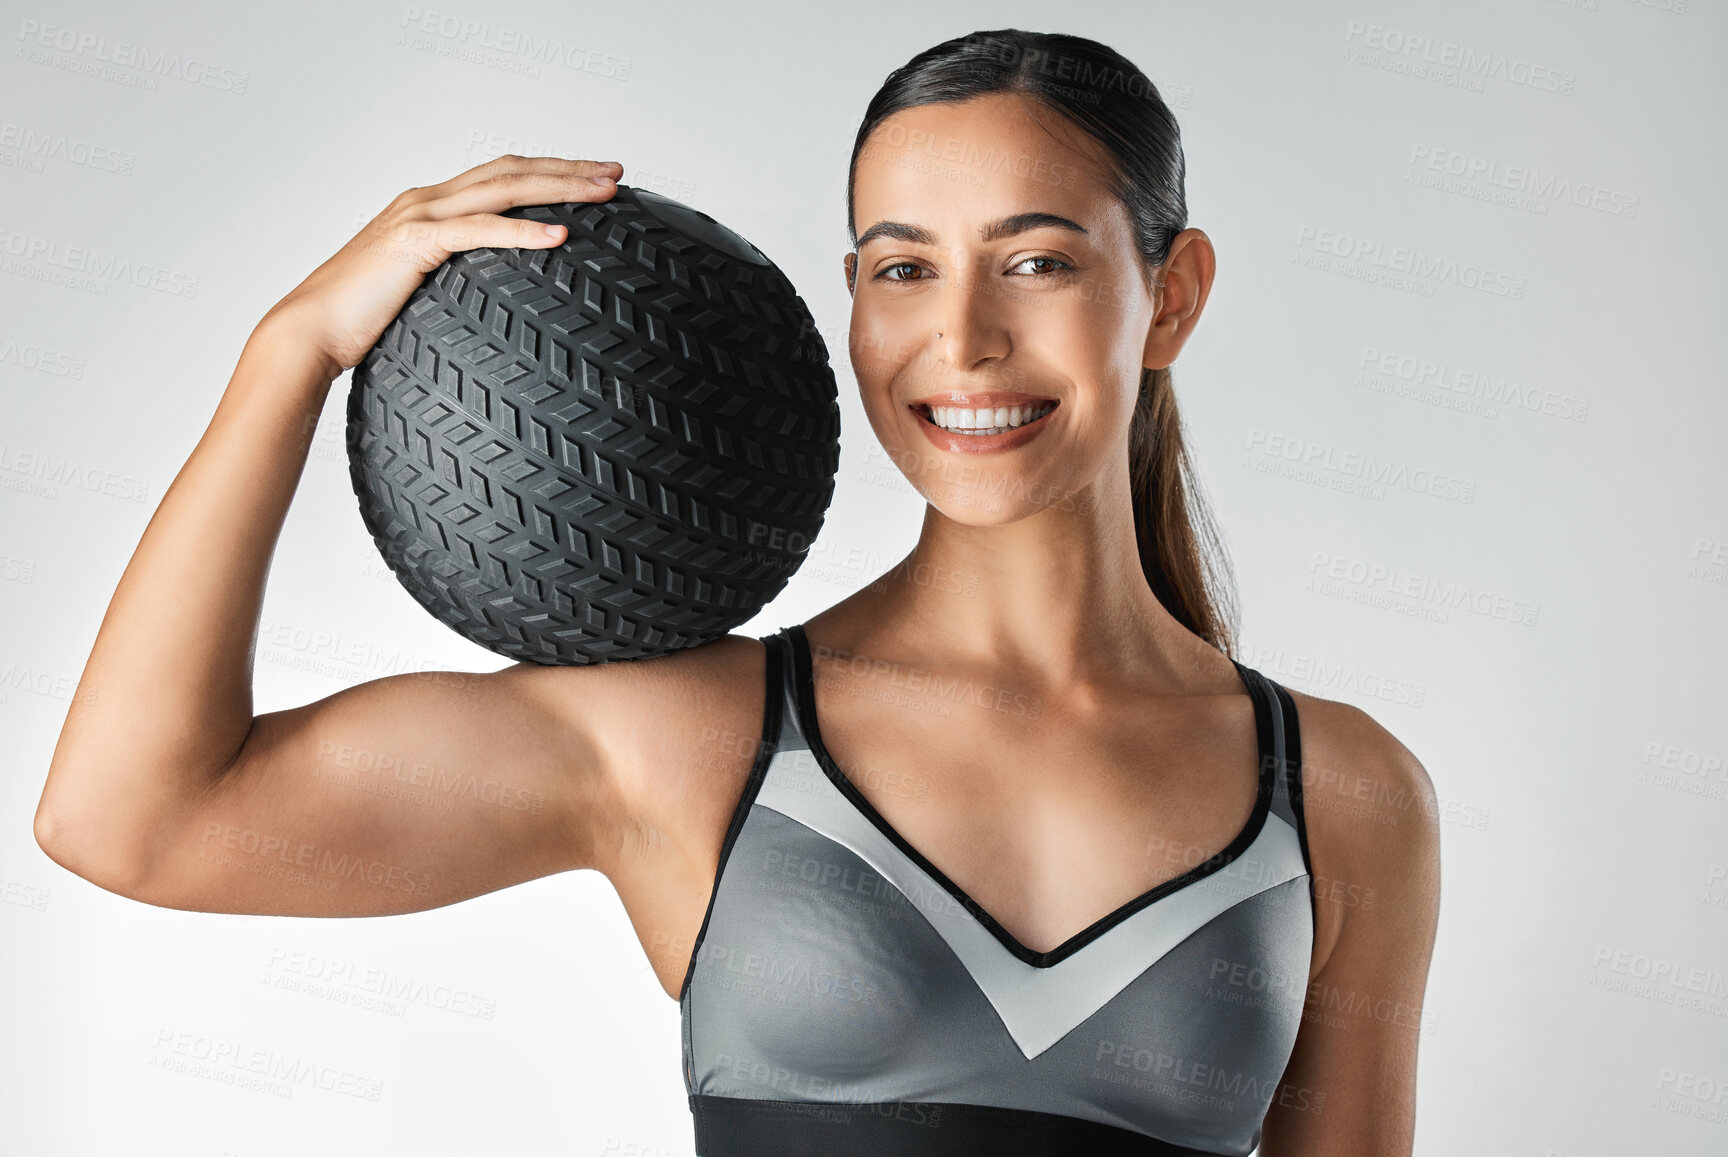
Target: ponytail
x=1180 y=548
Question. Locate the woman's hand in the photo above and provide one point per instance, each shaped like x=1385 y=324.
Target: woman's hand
x=347 y=302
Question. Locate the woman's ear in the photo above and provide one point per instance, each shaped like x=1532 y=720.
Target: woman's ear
x=1185 y=284
x=851 y=263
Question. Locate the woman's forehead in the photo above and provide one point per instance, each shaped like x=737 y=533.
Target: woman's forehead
x=968 y=164
x=998 y=133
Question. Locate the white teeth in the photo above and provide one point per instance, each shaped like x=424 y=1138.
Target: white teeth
x=984 y=422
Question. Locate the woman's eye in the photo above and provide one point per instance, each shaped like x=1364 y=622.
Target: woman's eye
x=1063 y=265
x=883 y=275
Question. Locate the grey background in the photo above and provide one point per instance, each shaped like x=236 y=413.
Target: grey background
x=1551 y=649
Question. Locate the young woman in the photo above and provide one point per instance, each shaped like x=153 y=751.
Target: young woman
x=1004 y=853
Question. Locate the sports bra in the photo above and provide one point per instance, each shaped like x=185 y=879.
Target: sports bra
x=845 y=997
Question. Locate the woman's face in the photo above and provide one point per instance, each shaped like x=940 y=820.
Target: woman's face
x=959 y=301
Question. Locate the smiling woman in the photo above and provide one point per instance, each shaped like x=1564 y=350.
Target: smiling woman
x=1061 y=946
x=1006 y=852
x=993 y=109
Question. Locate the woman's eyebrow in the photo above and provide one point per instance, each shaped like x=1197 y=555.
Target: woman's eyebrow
x=994 y=231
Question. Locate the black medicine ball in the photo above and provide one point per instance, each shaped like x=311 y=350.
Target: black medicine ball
x=618 y=447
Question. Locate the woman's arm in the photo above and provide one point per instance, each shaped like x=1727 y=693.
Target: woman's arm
x=1350 y=1086
x=404 y=793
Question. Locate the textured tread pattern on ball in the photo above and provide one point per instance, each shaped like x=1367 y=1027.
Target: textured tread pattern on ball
x=618 y=447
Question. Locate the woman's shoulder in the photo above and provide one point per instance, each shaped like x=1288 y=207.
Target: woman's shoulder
x=1371 y=814
x=1349 y=757
x=687 y=712
x=675 y=736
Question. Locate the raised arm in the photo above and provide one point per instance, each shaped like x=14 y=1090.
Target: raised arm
x=405 y=793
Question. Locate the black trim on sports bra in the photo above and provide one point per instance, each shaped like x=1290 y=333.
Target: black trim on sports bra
x=770 y=739
x=804 y=694
x=1292 y=772
x=751 y=1127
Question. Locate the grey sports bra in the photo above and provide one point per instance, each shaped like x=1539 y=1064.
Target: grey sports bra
x=844 y=997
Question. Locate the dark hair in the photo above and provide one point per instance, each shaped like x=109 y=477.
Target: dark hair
x=1104 y=94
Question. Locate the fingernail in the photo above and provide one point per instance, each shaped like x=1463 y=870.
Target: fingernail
x=552 y=230
x=602 y=181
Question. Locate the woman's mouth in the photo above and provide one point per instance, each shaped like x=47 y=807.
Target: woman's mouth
x=973 y=430
x=984 y=422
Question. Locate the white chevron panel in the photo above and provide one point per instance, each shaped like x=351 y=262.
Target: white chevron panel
x=1038 y=1006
